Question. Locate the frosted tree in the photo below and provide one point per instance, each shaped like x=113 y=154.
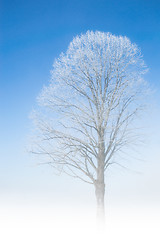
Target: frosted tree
x=88 y=107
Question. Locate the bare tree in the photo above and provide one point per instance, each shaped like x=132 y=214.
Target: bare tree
x=88 y=107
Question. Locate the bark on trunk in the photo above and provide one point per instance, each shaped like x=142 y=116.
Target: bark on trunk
x=100 y=192
x=100 y=184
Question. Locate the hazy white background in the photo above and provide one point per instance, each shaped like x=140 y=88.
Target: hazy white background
x=36 y=204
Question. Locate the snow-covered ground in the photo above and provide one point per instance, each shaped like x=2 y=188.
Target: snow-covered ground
x=46 y=222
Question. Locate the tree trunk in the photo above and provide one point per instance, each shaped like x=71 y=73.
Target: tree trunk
x=100 y=184
x=100 y=192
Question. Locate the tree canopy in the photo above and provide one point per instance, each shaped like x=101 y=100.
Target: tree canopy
x=93 y=96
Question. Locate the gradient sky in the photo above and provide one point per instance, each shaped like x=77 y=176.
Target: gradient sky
x=32 y=34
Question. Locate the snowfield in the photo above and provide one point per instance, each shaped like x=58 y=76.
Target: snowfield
x=35 y=222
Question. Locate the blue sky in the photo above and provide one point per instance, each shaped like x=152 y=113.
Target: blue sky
x=32 y=34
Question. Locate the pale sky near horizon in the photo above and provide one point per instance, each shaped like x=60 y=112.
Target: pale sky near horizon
x=32 y=35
